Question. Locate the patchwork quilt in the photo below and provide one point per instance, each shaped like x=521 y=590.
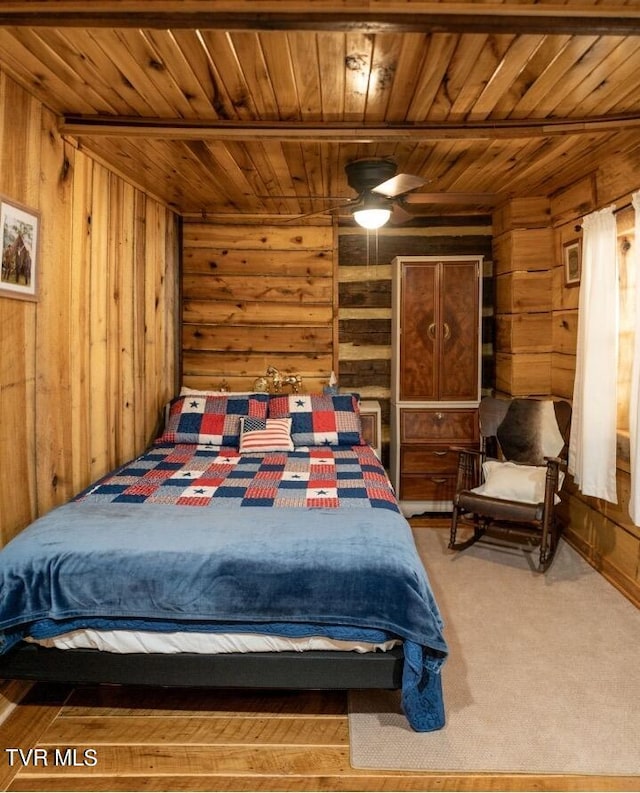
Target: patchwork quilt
x=195 y=475
x=132 y=551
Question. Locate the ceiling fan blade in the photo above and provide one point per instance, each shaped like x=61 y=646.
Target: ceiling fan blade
x=399 y=215
x=398 y=185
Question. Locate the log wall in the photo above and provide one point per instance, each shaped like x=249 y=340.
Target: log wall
x=536 y=336
x=364 y=277
x=523 y=264
x=603 y=532
x=86 y=368
x=306 y=299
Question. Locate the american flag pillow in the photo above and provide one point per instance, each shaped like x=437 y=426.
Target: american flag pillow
x=265 y=435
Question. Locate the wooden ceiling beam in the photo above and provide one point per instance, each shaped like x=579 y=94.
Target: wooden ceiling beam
x=579 y=18
x=174 y=129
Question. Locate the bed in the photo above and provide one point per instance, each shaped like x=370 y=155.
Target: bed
x=257 y=543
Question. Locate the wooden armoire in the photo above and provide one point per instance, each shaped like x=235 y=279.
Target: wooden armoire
x=436 y=361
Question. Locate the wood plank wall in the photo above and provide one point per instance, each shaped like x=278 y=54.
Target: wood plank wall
x=86 y=368
x=255 y=296
x=365 y=298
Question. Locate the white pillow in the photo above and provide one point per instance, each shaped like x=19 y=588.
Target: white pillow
x=186 y=391
x=515 y=482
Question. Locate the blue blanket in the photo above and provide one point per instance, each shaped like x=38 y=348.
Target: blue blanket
x=160 y=563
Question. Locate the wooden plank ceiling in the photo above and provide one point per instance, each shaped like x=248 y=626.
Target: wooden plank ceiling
x=253 y=107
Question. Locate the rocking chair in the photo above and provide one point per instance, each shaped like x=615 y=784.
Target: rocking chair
x=511 y=483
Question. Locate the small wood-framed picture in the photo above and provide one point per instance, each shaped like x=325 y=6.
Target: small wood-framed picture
x=572 y=262
x=19 y=237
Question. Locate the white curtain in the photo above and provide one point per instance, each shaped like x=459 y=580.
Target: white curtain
x=592 y=445
x=634 y=405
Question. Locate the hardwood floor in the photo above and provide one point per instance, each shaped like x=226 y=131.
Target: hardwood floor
x=111 y=738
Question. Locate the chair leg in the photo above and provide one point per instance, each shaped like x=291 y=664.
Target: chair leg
x=546 y=557
x=548 y=543
x=454 y=527
x=478 y=530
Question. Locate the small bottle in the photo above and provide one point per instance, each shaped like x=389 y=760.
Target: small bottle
x=332 y=387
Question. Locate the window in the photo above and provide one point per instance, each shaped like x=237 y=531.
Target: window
x=625 y=220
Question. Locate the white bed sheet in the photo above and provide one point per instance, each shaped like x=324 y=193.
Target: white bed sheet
x=204 y=643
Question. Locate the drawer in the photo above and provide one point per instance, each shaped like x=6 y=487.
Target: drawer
x=425 y=460
x=424 y=487
x=432 y=425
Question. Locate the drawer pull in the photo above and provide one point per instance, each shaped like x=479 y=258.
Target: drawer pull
x=438 y=480
x=440 y=453
x=438 y=416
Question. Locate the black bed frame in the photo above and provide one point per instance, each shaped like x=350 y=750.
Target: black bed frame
x=286 y=670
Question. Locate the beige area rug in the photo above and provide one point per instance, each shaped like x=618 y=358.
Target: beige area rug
x=543 y=674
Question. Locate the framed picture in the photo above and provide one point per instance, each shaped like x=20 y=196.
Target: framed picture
x=19 y=231
x=572 y=262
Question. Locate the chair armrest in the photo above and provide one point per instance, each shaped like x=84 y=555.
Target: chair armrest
x=552 y=480
x=464 y=450
x=556 y=465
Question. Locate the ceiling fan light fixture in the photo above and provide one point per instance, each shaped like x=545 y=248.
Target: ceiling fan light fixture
x=371 y=218
x=373 y=211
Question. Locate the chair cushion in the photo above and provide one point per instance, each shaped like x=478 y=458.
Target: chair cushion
x=514 y=482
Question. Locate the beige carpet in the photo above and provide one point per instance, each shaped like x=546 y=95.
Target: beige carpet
x=543 y=674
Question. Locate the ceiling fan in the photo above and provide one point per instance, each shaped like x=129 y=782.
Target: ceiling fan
x=380 y=191
x=379 y=188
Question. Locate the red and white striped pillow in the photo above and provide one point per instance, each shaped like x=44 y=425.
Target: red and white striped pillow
x=265 y=435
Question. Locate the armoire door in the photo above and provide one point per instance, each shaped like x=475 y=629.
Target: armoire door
x=439 y=331
x=459 y=330
x=418 y=316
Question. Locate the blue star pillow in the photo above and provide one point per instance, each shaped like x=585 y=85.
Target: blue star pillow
x=213 y=421
x=320 y=419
